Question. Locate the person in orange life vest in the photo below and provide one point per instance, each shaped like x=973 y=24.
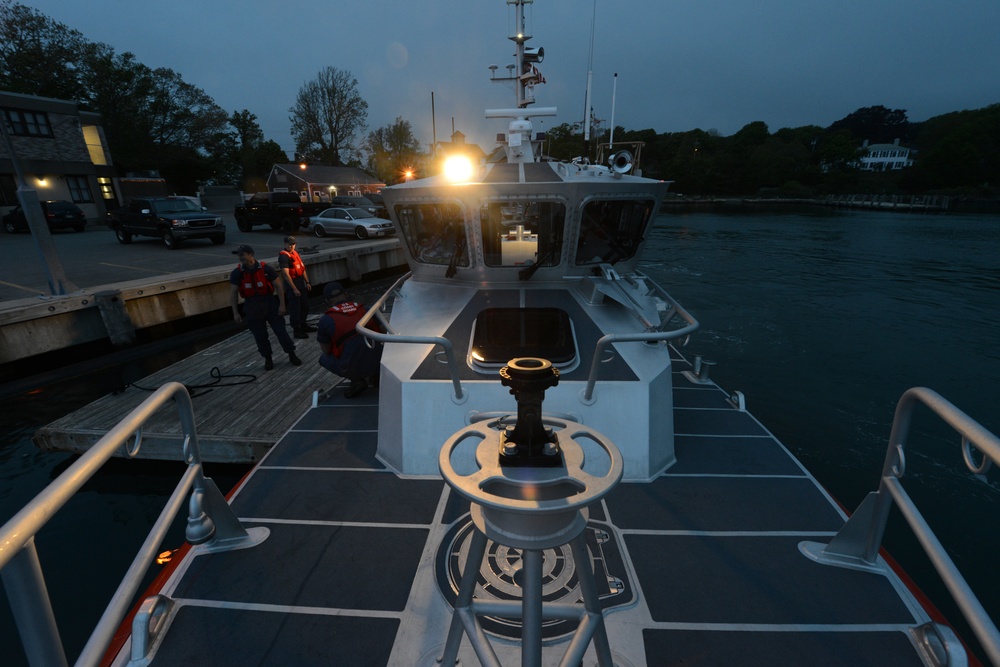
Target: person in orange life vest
x=296 y=288
x=262 y=289
x=343 y=350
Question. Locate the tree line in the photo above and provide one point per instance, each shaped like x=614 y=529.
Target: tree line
x=956 y=153
x=153 y=119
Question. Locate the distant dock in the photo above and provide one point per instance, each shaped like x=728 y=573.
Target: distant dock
x=916 y=203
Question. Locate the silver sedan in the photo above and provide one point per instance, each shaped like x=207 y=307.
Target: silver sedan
x=355 y=222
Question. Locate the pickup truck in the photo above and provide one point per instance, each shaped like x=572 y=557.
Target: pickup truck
x=279 y=210
x=171 y=219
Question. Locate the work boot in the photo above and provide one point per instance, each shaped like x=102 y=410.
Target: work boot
x=294 y=359
x=268 y=363
x=357 y=386
x=299 y=333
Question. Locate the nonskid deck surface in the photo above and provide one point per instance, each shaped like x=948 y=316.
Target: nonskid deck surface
x=701 y=565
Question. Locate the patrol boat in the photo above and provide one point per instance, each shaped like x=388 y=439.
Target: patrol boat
x=542 y=477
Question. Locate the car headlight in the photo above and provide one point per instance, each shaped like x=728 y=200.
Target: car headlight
x=178 y=223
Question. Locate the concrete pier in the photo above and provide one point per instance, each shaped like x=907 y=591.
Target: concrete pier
x=185 y=283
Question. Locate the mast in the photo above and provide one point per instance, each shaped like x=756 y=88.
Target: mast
x=614 y=91
x=519 y=143
x=590 y=77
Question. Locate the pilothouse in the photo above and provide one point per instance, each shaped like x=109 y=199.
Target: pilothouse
x=528 y=257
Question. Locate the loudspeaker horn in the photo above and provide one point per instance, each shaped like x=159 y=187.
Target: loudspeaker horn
x=621 y=162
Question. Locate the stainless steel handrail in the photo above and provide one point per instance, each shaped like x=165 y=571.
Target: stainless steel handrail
x=858 y=542
x=392 y=337
x=19 y=565
x=646 y=337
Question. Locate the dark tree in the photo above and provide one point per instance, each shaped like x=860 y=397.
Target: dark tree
x=877 y=124
x=38 y=56
x=392 y=151
x=328 y=116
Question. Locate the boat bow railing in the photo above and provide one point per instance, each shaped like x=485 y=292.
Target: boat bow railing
x=652 y=334
x=391 y=336
x=210 y=522
x=857 y=544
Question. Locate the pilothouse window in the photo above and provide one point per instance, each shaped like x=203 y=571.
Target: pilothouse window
x=612 y=230
x=522 y=233
x=434 y=233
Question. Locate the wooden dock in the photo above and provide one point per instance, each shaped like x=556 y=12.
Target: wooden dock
x=237 y=420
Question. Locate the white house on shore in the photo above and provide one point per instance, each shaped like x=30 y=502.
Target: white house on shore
x=885 y=157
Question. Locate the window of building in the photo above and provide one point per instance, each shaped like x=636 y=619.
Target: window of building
x=93 y=139
x=28 y=123
x=8 y=191
x=107 y=188
x=79 y=189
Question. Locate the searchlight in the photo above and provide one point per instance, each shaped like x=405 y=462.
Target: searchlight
x=458 y=169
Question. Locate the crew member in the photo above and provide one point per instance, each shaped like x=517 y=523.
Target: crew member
x=262 y=289
x=296 y=288
x=343 y=350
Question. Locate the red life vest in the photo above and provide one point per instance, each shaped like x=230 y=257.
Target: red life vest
x=254 y=282
x=296 y=266
x=346 y=316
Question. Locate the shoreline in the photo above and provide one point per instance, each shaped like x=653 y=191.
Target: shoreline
x=896 y=203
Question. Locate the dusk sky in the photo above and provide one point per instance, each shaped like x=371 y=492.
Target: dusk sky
x=712 y=64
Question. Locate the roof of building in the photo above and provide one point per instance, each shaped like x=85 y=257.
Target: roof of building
x=885 y=147
x=321 y=173
x=459 y=145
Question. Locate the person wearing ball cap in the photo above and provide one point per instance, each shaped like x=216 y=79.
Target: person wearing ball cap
x=262 y=289
x=342 y=349
x=297 y=285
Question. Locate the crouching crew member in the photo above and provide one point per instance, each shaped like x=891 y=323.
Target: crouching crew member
x=296 y=288
x=343 y=350
x=263 y=305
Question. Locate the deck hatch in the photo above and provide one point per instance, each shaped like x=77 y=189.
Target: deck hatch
x=502 y=334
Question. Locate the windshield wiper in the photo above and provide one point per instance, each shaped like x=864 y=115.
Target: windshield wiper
x=527 y=272
x=453 y=264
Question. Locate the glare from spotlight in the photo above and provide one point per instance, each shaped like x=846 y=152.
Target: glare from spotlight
x=458 y=169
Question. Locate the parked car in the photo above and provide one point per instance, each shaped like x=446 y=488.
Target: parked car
x=172 y=219
x=379 y=202
x=59 y=214
x=350 y=221
x=279 y=210
x=355 y=202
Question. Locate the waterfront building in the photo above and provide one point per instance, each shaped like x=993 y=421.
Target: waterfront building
x=319 y=182
x=885 y=157
x=61 y=149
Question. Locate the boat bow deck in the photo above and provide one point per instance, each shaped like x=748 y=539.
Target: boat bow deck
x=700 y=566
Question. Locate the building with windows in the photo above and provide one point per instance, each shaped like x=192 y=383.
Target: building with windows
x=319 y=183
x=884 y=157
x=61 y=150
